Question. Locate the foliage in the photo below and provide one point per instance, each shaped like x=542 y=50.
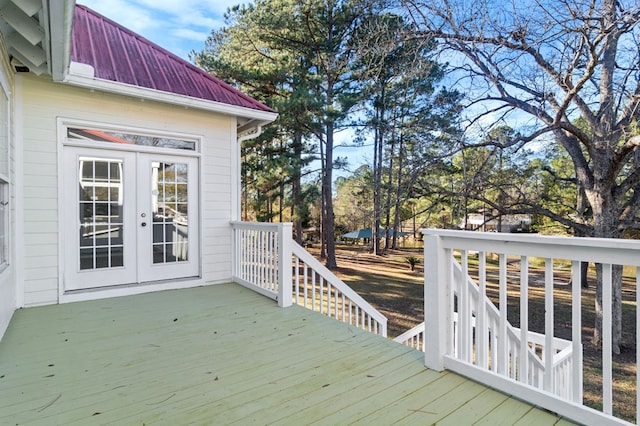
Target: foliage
x=352 y=205
x=412 y=261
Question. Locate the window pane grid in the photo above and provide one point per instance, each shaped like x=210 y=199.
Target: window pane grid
x=101 y=221
x=170 y=215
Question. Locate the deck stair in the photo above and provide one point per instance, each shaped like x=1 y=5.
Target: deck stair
x=269 y=261
x=466 y=341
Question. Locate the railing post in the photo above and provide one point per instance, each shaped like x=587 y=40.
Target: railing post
x=235 y=251
x=436 y=302
x=285 y=277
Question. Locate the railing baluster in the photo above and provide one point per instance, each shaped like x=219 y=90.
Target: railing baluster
x=273 y=265
x=297 y=269
x=256 y=260
x=321 y=295
x=524 y=319
x=607 y=394
x=501 y=358
x=576 y=332
x=329 y=300
x=450 y=303
x=482 y=330
x=548 y=324
x=313 y=290
x=306 y=285
x=464 y=311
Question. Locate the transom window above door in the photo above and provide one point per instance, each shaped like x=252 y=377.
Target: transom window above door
x=101 y=135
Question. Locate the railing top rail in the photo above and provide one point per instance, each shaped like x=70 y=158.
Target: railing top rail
x=262 y=226
x=599 y=250
x=410 y=333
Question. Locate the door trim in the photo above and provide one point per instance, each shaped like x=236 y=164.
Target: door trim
x=67 y=296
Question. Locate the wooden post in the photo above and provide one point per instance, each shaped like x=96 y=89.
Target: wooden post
x=285 y=276
x=436 y=302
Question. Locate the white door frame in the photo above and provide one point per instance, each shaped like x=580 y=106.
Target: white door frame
x=159 y=277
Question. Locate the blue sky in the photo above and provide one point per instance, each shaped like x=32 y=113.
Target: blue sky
x=179 y=26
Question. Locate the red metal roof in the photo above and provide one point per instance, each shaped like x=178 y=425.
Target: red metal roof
x=120 y=55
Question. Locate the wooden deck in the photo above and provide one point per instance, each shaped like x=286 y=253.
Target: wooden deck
x=221 y=355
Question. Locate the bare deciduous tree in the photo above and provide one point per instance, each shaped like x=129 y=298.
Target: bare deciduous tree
x=555 y=61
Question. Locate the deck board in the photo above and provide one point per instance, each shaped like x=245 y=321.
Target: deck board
x=223 y=355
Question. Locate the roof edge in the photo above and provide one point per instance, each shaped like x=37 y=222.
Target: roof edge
x=83 y=80
x=223 y=84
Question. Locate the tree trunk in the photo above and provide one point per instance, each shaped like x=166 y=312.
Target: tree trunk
x=377 y=178
x=323 y=246
x=581 y=211
x=327 y=195
x=387 y=204
x=396 y=219
x=296 y=187
x=605 y=226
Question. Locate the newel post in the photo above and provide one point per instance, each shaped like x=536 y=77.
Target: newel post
x=436 y=303
x=235 y=251
x=285 y=246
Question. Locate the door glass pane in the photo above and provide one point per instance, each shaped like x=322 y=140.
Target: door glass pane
x=170 y=212
x=101 y=214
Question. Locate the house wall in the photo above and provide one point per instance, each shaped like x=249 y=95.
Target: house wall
x=43 y=103
x=8 y=294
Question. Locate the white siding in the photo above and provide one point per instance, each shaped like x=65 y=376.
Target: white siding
x=8 y=296
x=44 y=103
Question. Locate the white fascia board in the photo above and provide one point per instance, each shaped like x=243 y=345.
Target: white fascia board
x=82 y=79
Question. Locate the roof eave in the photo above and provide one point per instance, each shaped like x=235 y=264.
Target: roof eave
x=257 y=117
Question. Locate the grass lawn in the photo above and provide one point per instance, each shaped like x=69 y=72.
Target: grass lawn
x=388 y=284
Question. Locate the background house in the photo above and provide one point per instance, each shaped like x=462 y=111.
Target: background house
x=119 y=161
x=505 y=223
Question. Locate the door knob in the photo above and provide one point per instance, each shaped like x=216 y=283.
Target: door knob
x=143 y=224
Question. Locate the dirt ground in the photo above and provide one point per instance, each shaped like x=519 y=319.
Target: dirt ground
x=397 y=292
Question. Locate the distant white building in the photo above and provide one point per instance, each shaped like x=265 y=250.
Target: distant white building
x=506 y=223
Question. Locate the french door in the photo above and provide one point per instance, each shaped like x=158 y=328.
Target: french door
x=128 y=217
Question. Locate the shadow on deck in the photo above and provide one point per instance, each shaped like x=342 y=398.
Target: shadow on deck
x=223 y=354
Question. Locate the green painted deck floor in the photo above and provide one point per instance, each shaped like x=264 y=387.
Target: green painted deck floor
x=221 y=355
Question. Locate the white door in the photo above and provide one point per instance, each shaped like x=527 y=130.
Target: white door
x=128 y=218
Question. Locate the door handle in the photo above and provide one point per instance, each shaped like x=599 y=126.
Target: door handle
x=143 y=224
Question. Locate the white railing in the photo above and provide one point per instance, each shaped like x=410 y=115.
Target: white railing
x=258 y=249
x=464 y=336
x=318 y=289
x=267 y=260
x=562 y=358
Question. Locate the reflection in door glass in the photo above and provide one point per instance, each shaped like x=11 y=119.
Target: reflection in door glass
x=170 y=212
x=111 y=136
x=101 y=216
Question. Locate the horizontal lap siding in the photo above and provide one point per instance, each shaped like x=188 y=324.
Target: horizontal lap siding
x=43 y=103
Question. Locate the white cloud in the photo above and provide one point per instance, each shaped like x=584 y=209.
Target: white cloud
x=186 y=33
x=124 y=13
